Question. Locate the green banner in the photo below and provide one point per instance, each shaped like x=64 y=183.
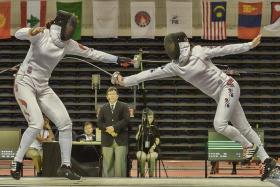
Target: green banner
x=76 y=9
x=221 y=148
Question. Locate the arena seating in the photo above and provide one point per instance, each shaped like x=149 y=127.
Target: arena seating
x=183 y=113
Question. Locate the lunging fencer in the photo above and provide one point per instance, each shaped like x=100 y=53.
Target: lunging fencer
x=194 y=65
x=33 y=93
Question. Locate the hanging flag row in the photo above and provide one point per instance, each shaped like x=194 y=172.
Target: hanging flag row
x=33 y=14
x=105 y=17
x=143 y=19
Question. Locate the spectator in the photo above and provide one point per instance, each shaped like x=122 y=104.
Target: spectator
x=35 y=151
x=88 y=133
x=148 y=140
x=113 y=119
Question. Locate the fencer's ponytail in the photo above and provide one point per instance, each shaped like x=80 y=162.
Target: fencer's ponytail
x=48 y=24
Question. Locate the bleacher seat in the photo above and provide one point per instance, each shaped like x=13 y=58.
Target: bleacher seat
x=182 y=112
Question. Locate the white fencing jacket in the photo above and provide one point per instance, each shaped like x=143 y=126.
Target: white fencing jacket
x=43 y=55
x=198 y=69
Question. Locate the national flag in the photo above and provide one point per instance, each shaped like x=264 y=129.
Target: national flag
x=5 y=20
x=249 y=20
x=33 y=13
x=105 y=18
x=275 y=18
x=214 y=20
x=275 y=11
x=179 y=17
x=142 y=20
x=76 y=9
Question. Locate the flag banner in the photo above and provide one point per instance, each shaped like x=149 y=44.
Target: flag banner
x=179 y=17
x=275 y=11
x=5 y=20
x=249 y=20
x=275 y=18
x=214 y=20
x=33 y=13
x=142 y=19
x=76 y=9
x=105 y=18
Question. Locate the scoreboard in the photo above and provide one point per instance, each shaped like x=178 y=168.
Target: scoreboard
x=9 y=142
x=220 y=148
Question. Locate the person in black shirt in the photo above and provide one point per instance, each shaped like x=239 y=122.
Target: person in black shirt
x=88 y=135
x=148 y=140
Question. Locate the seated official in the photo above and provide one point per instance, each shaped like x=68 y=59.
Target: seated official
x=148 y=139
x=35 y=151
x=90 y=152
x=88 y=133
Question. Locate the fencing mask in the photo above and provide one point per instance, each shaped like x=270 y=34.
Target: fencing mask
x=67 y=22
x=171 y=44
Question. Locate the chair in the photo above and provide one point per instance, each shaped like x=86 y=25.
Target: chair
x=29 y=166
x=157 y=167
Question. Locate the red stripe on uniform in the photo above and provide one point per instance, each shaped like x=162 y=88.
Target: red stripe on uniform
x=225 y=30
x=203 y=20
x=23 y=9
x=207 y=19
x=43 y=8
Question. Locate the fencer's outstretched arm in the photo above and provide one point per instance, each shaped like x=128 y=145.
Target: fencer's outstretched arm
x=151 y=74
x=31 y=34
x=211 y=52
x=74 y=48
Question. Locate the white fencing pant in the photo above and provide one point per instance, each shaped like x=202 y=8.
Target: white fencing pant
x=227 y=102
x=34 y=98
x=230 y=109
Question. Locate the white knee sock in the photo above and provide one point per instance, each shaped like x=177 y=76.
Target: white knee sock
x=65 y=142
x=253 y=137
x=242 y=140
x=232 y=133
x=262 y=153
x=28 y=137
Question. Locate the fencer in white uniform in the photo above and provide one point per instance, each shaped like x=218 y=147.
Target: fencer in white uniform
x=194 y=65
x=33 y=93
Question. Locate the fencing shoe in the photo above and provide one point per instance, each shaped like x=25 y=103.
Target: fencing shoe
x=16 y=169
x=66 y=171
x=268 y=165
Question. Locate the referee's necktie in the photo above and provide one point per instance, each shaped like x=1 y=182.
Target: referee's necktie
x=112 y=109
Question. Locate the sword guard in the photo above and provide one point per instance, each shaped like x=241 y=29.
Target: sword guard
x=114 y=78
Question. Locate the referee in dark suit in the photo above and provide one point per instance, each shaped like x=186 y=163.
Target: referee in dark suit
x=113 y=120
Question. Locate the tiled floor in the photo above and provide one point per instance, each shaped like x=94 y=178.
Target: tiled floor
x=180 y=173
x=197 y=169
x=190 y=182
x=173 y=169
